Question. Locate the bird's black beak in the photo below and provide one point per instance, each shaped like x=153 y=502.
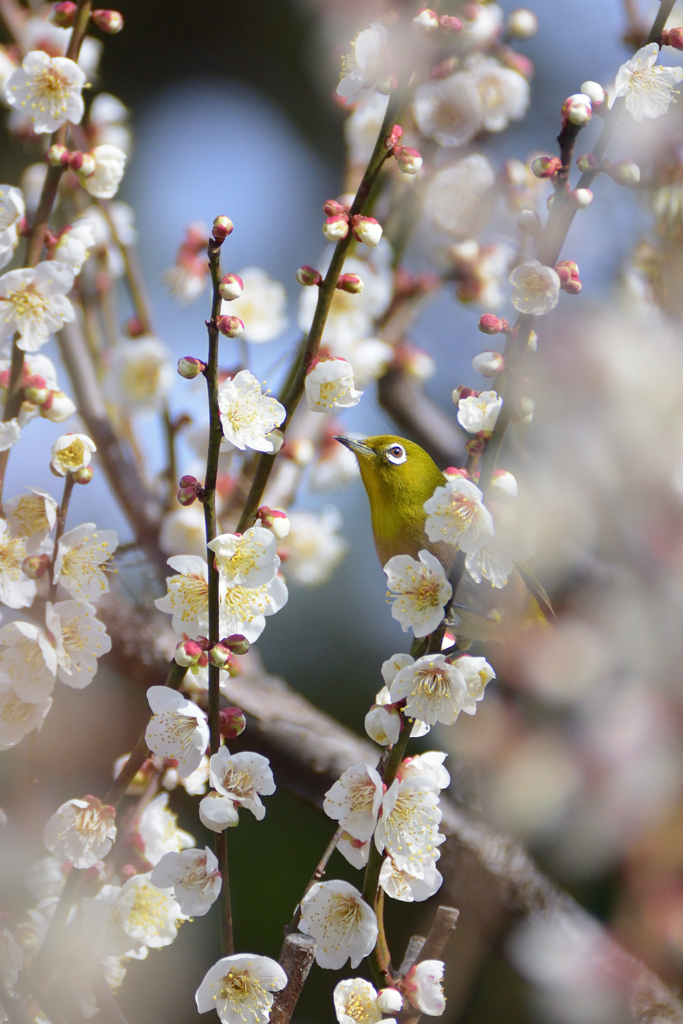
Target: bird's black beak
x=357 y=447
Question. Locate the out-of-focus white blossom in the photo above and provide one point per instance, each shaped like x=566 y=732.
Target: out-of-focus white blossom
x=354 y=800
x=262 y=306
x=48 y=89
x=648 y=87
x=12 y=211
x=194 y=877
x=17 y=717
x=536 y=289
x=312 y=549
x=362 y=126
x=503 y=92
x=184 y=530
x=71 y=452
x=34 y=303
x=148 y=915
x=27 y=660
x=424 y=989
x=11 y=959
x=81 y=832
x=458 y=198
x=16 y=589
x=141 y=374
x=123 y=219
x=449 y=110
x=330 y=385
x=74 y=245
x=341 y=922
x=110 y=164
x=107 y=121
x=421 y=590
x=80 y=556
x=481 y=26
x=362 y=69
x=239 y=988
x=243 y=778
x=80 y=639
x=196 y=782
x=178 y=729
x=247 y=415
x=158 y=829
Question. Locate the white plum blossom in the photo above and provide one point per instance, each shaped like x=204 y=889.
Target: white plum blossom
x=187 y=599
x=48 y=90
x=17 y=717
x=369 y=358
x=354 y=851
x=107 y=118
x=313 y=549
x=81 y=832
x=246 y=560
x=81 y=554
x=45 y=879
x=16 y=589
x=31 y=516
x=423 y=987
x=536 y=289
x=10 y=432
x=218 y=812
x=27 y=660
x=184 y=530
x=123 y=219
x=428 y=765
x=399 y=885
x=341 y=922
x=458 y=198
x=493 y=562
x=383 y=725
x=477 y=673
x=239 y=988
x=457 y=515
x=244 y=778
x=449 y=110
x=329 y=385
x=362 y=69
x=178 y=729
x=110 y=164
x=418 y=591
x=355 y=1002
x=407 y=829
x=481 y=25
x=71 y=452
x=158 y=829
x=12 y=211
x=80 y=639
x=244 y=609
x=504 y=93
x=262 y=306
x=362 y=126
x=247 y=415
x=334 y=469
x=148 y=915
x=648 y=87
x=354 y=801
x=433 y=689
x=141 y=374
x=478 y=414
x=194 y=877
x=34 y=303
x=197 y=781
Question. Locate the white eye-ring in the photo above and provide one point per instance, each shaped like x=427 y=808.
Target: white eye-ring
x=396 y=454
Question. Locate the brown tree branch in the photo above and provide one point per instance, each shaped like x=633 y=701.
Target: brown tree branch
x=418 y=415
x=296 y=959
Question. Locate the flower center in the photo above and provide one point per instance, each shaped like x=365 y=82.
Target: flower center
x=30 y=514
x=149 y=911
x=238 y=783
x=27 y=303
x=91 y=825
x=12 y=554
x=14 y=710
x=71 y=637
x=71 y=457
x=189 y=595
x=432 y=683
x=140 y=379
x=245 y=994
x=360 y=1009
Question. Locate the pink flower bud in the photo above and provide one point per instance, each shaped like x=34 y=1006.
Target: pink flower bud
x=83 y=475
x=581 y=198
x=545 y=166
x=134 y=327
x=219 y=656
x=189 y=367
x=624 y=172
x=587 y=162
x=187 y=653
x=221 y=228
x=236 y=643
x=595 y=93
x=673 y=37
x=488 y=363
x=309 y=276
x=366 y=230
x=331 y=208
x=57 y=156
x=63 y=14
x=275 y=520
x=83 y=163
x=232 y=723
x=426 y=21
x=336 y=228
x=529 y=221
x=489 y=323
x=463 y=392
x=573 y=287
x=516 y=62
x=351 y=283
x=394 y=137
x=230 y=326
x=409 y=160
x=110 y=22
x=455 y=472
x=57 y=407
x=36 y=390
x=230 y=287
x=449 y=23
x=35 y=566
x=522 y=24
x=577 y=109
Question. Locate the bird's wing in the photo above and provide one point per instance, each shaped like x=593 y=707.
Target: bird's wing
x=536 y=588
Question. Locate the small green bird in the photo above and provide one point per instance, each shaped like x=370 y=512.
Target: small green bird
x=399 y=478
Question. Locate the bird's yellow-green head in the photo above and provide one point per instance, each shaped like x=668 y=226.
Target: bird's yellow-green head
x=399 y=477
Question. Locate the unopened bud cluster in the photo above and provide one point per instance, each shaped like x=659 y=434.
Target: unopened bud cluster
x=427 y=20
x=190 y=490
x=489 y=323
x=568 y=273
x=52 y=405
x=63 y=15
x=201 y=652
x=409 y=160
x=337 y=224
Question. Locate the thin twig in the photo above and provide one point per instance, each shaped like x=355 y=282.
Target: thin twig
x=59 y=531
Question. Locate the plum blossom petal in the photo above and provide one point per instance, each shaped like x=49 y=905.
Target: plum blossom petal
x=80 y=639
x=48 y=89
x=247 y=416
x=329 y=385
x=536 y=289
x=433 y=689
x=158 y=829
x=178 y=729
x=248 y=559
x=418 y=590
x=81 y=832
x=239 y=988
x=354 y=800
x=81 y=556
x=27 y=660
x=244 y=778
x=648 y=87
x=341 y=922
x=457 y=515
x=194 y=877
x=33 y=302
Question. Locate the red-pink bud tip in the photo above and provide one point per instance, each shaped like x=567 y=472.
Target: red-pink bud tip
x=57 y=156
x=331 y=208
x=545 y=166
x=236 y=643
x=232 y=723
x=449 y=23
x=409 y=160
x=230 y=287
x=63 y=14
x=134 y=327
x=230 y=326
x=221 y=228
x=220 y=655
x=35 y=566
x=394 y=137
x=464 y=392
x=673 y=37
x=351 y=283
x=189 y=367
x=110 y=22
x=309 y=276
x=83 y=475
x=489 y=323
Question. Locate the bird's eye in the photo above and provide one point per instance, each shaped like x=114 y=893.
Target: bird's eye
x=396 y=454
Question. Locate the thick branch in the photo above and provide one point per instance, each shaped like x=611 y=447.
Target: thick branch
x=296 y=959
